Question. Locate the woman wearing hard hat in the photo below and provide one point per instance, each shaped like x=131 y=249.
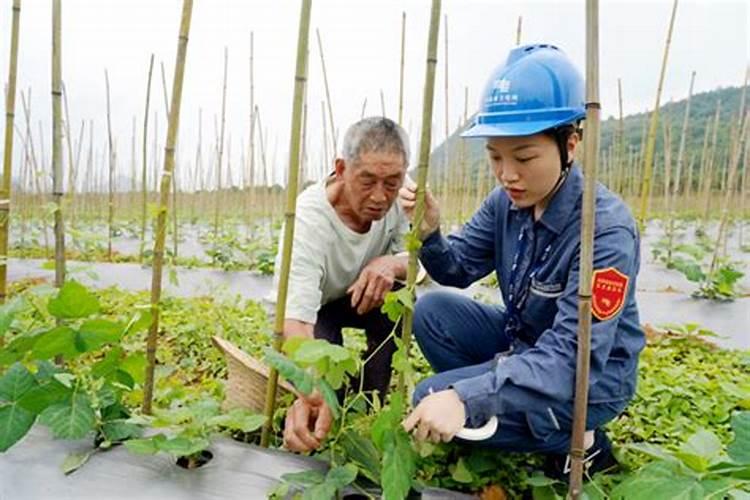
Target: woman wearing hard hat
x=515 y=365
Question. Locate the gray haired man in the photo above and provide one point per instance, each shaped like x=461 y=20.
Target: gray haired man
x=348 y=233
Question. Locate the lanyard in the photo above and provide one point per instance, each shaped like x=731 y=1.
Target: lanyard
x=518 y=287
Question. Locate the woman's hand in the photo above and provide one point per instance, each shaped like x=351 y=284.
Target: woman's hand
x=438 y=417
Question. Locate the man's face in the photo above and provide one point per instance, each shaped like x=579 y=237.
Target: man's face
x=372 y=182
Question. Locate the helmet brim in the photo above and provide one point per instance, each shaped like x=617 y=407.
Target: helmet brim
x=515 y=129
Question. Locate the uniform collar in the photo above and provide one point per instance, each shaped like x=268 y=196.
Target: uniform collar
x=564 y=202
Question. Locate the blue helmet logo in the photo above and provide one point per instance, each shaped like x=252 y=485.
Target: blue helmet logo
x=536 y=88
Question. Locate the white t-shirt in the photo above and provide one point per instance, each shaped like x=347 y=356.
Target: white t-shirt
x=327 y=256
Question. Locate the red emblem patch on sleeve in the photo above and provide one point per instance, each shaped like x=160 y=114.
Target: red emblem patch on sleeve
x=608 y=289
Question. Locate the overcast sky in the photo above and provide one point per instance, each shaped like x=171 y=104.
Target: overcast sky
x=361 y=42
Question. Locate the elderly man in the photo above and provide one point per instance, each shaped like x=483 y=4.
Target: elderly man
x=347 y=234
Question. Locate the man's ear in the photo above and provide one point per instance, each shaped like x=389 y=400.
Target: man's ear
x=339 y=166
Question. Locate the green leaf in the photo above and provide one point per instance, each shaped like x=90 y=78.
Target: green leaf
x=239 y=420
x=461 y=473
x=8 y=312
x=120 y=430
x=338 y=477
x=304 y=479
x=704 y=444
x=60 y=340
x=70 y=420
x=329 y=396
x=739 y=448
x=659 y=480
x=108 y=364
x=15 y=422
x=16 y=382
x=147 y=446
x=135 y=366
x=98 y=332
x=301 y=380
x=362 y=451
x=74 y=461
x=141 y=321
x=396 y=302
x=73 y=301
x=399 y=465
x=182 y=446
x=44 y=395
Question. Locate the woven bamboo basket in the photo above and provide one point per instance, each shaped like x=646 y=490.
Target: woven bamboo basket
x=246 y=378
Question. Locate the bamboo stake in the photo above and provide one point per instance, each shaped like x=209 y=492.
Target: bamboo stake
x=518 y=30
x=709 y=176
x=221 y=145
x=382 y=103
x=166 y=178
x=736 y=149
x=300 y=81
x=57 y=173
x=328 y=93
x=175 y=236
x=144 y=160
x=649 y=155
x=110 y=204
x=620 y=142
x=678 y=172
x=251 y=142
x=590 y=160
x=422 y=171
x=66 y=121
x=401 y=71
x=10 y=107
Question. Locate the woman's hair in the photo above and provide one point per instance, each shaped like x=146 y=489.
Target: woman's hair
x=561 y=135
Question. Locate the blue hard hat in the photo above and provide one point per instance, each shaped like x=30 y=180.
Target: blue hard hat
x=536 y=88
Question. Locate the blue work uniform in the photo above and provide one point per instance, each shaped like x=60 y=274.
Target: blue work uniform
x=519 y=361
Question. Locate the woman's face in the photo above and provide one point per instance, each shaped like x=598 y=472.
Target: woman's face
x=527 y=167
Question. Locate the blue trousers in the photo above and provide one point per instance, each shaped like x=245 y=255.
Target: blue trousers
x=460 y=338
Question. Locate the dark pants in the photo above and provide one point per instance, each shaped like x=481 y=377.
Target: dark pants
x=460 y=337
x=338 y=314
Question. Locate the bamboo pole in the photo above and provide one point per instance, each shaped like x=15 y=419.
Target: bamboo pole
x=678 y=172
x=251 y=142
x=422 y=171
x=10 y=107
x=144 y=160
x=57 y=172
x=328 y=94
x=68 y=139
x=175 y=236
x=401 y=70
x=708 y=180
x=166 y=178
x=518 y=30
x=110 y=204
x=220 y=146
x=649 y=155
x=300 y=81
x=590 y=161
x=620 y=142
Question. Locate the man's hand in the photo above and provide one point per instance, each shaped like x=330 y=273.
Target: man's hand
x=407 y=196
x=438 y=417
x=307 y=423
x=374 y=282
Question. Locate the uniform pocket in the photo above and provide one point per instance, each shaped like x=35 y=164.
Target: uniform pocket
x=541 y=304
x=543 y=423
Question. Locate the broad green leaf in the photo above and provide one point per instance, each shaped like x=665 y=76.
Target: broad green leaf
x=44 y=395
x=238 y=419
x=98 y=332
x=72 y=419
x=387 y=420
x=16 y=382
x=60 y=340
x=323 y=491
x=301 y=380
x=109 y=363
x=121 y=431
x=141 y=321
x=73 y=301
x=704 y=444
x=338 y=477
x=15 y=422
x=305 y=478
x=147 y=446
x=461 y=472
x=74 y=461
x=8 y=312
x=181 y=446
x=739 y=448
x=399 y=465
x=658 y=480
x=361 y=451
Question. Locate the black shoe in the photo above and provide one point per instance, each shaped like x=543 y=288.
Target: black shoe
x=599 y=458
